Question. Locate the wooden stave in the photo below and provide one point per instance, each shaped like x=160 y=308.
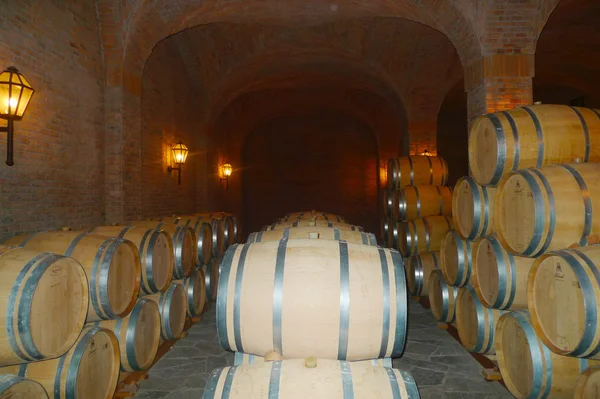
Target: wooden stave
x=126 y=328
x=223 y=325
x=99 y=308
x=245 y=358
x=561 y=371
x=178 y=234
x=14 y=387
x=164 y=300
x=189 y=283
x=407 y=234
x=588 y=279
x=510 y=144
x=483 y=209
x=59 y=376
x=420 y=272
x=328 y=232
x=486 y=321
x=448 y=303
x=381 y=381
x=512 y=290
x=145 y=246
x=464 y=265
x=587 y=385
x=20 y=344
x=547 y=223
x=399 y=181
x=416 y=208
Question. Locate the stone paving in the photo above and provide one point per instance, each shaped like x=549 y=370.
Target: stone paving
x=441 y=367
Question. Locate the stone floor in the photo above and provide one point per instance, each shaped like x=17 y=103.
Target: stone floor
x=441 y=367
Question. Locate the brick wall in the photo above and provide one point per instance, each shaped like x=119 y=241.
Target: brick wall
x=57 y=178
x=319 y=161
x=169 y=115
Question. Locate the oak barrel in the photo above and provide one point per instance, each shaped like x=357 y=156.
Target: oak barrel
x=43 y=306
x=475 y=323
x=359 y=291
x=531 y=137
x=499 y=278
x=195 y=289
x=308 y=214
x=203 y=233
x=455 y=259
x=293 y=379
x=172 y=306
x=211 y=278
x=418 y=270
x=311 y=223
x=245 y=358
x=588 y=384
x=15 y=387
x=90 y=369
x=185 y=249
x=415 y=202
x=423 y=235
x=564 y=301
x=540 y=210
x=473 y=208
x=387 y=197
x=138 y=334
x=442 y=297
x=529 y=369
x=155 y=250
x=321 y=232
x=112 y=266
x=416 y=170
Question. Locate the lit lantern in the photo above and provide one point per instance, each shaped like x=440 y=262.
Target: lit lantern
x=226 y=170
x=15 y=94
x=180 y=154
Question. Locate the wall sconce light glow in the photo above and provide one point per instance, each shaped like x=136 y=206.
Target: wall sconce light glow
x=15 y=94
x=226 y=170
x=426 y=153
x=180 y=154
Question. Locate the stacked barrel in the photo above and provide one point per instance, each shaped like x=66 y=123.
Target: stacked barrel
x=524 y=257
x=80 y=307
x=312 y=307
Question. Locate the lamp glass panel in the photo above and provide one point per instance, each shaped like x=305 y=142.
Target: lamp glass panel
x=227 y=169
x=15 y=93
x=180 y=153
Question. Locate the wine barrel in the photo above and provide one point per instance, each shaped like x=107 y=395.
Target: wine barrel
x=387 y=197
x=185 y=247
x=564 y=301
x=195 y=288
x=417 y=170
x=540 y=210
x=473 y=208
x=442 y=297
x=155 y=250
x=90 y=369
x=172 y=306
x=253 y=288
x=531 y=137
x=202 y=232
x=475 y=323
x=418 y=270
x=321 y=232
x=415 y=202
x=297 y=378
x=423 y=235
x=308 y=214
x=529 y=369
x=229 y=230
x=43 y=306
x=315 y=223
x=587 y=385
x=112 y=266
x=15 y=387
x=211 y=278
x=218 y=237
x=499 y=278
x=384 y=231
x=455 y=259
x=245 y=358
x=138 y=334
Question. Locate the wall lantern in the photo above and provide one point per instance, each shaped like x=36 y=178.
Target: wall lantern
x=180 y=153
x=15 y=93
x=226 y=170
x=426 y=153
